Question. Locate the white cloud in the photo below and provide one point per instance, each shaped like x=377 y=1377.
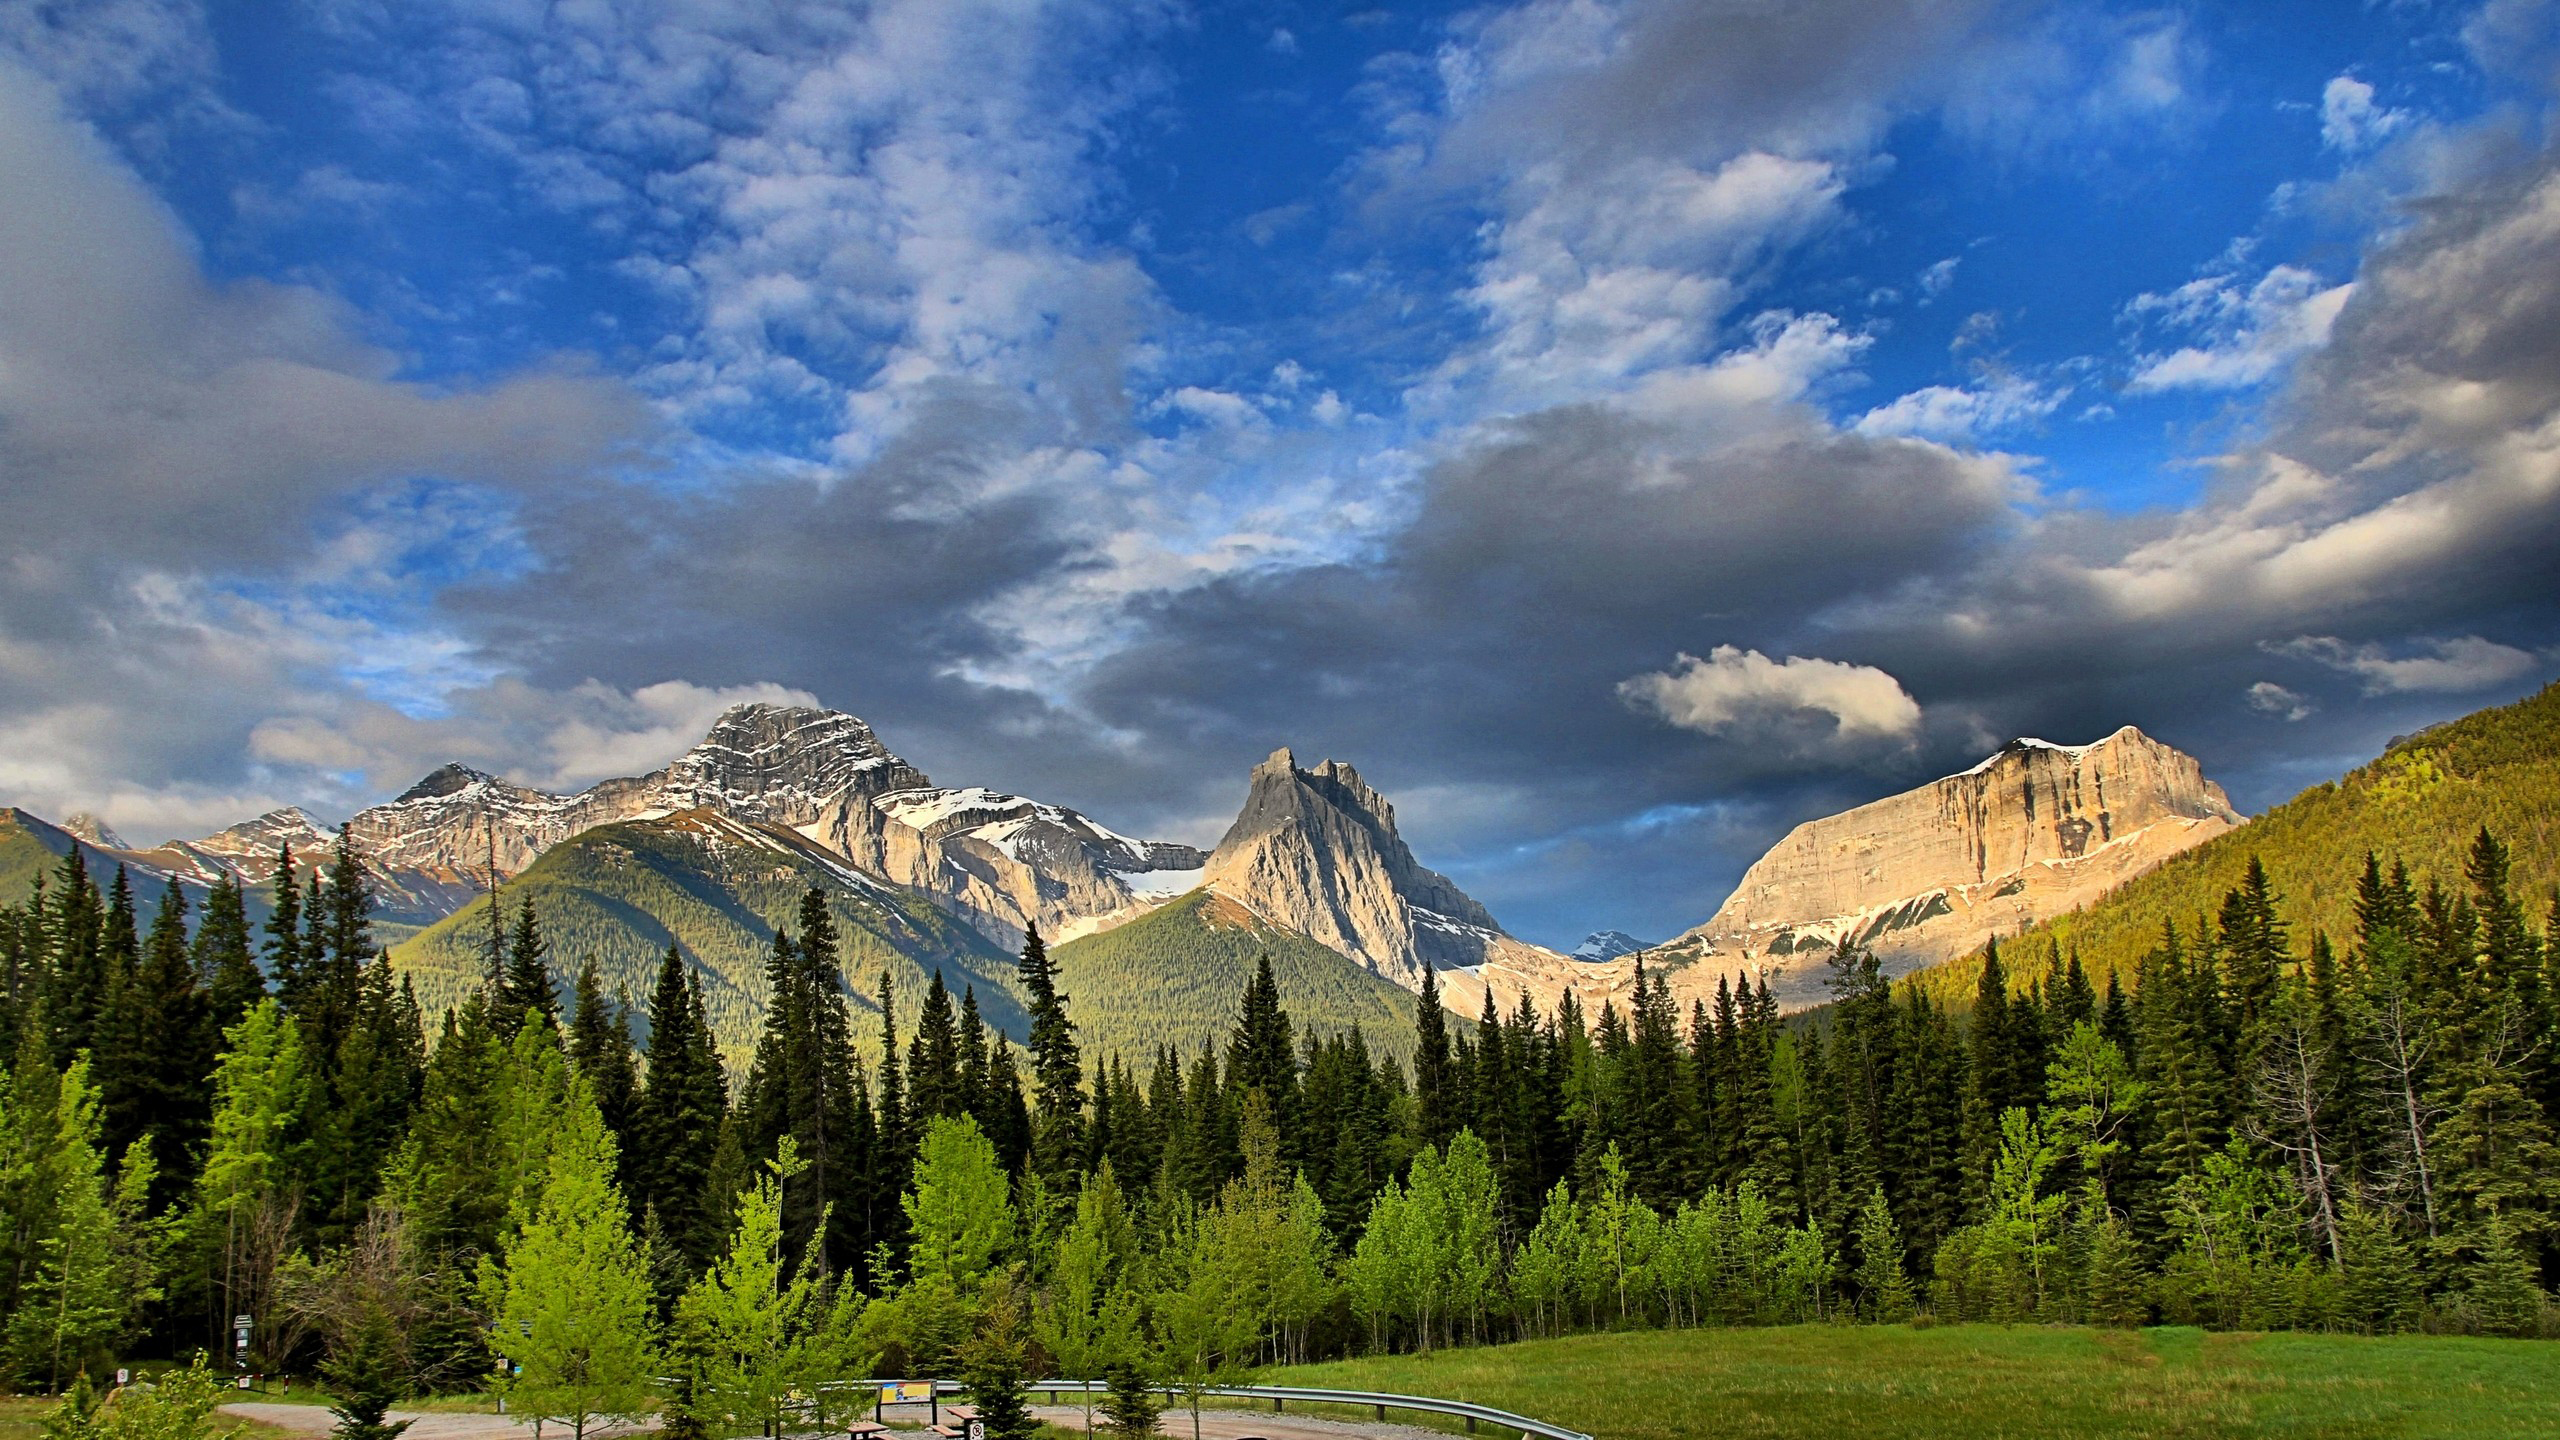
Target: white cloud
x=1935 y=280
x=1216 y=407
x=2349 y=119
x=2453 y=666
x=1734 y=689
x=1959 y=414
x=1591 y=286
x=2269 y=698
x=2245 y=337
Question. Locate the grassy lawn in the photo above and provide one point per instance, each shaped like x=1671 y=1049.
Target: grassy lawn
x=1978 y=1381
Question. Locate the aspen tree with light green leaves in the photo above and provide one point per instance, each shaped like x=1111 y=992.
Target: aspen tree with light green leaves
x=755 y=1330
x=569 y=1302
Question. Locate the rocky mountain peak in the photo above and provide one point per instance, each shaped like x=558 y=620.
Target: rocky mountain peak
x=1316 y=850
x=784 y=752
x=1607 y=945
x=451 y=778
x=2035 y=829
x=94 y=830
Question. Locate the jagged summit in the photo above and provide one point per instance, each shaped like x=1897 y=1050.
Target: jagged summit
x=1002 y=862
x=1316 y=850
x=450 y=778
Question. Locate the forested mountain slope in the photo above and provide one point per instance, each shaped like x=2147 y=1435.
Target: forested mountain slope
x=715 y=888
x=1176 y=976
x=2420 y=802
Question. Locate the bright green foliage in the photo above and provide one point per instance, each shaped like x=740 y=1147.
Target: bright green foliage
x=754 y=1329
x=85 y=1283
x=994 y=1361
x=570 y=1306
x=1884 y=1291
x=960 y=1211
x=178 y=1405
x=1203 y=1338
x=1088 y=1317
x=2003 y=1268
x=242 y=1220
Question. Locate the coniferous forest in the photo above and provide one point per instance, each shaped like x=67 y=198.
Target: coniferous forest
x=2264 y=1130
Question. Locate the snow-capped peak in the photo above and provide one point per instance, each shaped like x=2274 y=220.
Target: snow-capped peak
x=1607 y=945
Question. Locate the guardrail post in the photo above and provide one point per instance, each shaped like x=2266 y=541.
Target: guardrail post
x=1382 y=1412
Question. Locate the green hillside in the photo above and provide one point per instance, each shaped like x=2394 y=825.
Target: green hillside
x=1178 y=973
x=2422 y=801
x=715 y=889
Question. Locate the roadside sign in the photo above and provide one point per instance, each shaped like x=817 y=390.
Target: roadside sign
x=907 y=1392
x=123 y=1376
x=977 y=1430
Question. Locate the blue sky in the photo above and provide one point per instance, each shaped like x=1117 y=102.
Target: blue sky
x=1623 y=429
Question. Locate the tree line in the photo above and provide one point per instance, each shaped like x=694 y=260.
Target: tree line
x=201 y=1122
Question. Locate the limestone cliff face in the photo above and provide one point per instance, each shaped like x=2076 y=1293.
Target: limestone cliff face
x=1930 y=874
x=1317 y=851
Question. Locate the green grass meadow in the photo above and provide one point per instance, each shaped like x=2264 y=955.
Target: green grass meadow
x=1817 y=1382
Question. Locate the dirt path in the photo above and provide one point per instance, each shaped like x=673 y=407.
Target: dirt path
x=1239 y=1424
x=301 y=1420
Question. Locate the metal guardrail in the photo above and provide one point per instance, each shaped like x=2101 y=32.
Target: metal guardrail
x=1280 y=1395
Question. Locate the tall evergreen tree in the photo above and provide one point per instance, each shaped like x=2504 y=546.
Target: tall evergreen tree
x=600 y=1050
x=526 y=985
x=1435 y=1107
x=1058 y=1148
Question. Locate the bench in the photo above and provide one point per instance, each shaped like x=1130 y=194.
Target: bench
x=864 y=1429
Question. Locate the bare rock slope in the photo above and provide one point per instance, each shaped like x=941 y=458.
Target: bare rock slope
x=1317 y=851
x=1930 y=874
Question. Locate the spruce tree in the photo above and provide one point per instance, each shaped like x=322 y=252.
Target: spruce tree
x=600 y=1050
x=527 y=986
x=1435 y=1107
x=225 y=968
x=677 y=1118
x=1058 y=1147
x=284 y=930
x=164 y=1084
x=935 y=1088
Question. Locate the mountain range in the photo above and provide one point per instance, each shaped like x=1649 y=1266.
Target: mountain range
x=1157 y=939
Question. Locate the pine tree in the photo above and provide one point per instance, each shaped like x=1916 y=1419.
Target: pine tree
x=1262 y=1055
x=1884 y=1289
x=677 y=1118
x=78 y=972
x=527 y=983
x=164 y=1068
x=2251 y=950
x=225 y=970
x=1435 y=1107
x=935 y=1087
x=600 y=1050
x=1058 y=1147
x=284 y=931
